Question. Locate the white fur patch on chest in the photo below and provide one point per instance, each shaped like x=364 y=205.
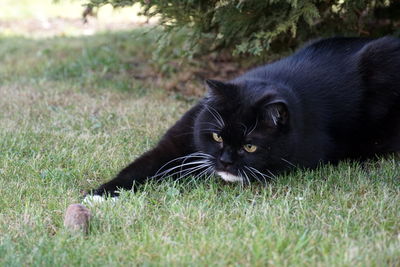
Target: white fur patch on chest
x=229 y=177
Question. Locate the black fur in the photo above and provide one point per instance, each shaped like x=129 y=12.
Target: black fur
x=334 y=99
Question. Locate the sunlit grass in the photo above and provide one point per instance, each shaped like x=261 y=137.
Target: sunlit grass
x=47 y=18
x=72 y=9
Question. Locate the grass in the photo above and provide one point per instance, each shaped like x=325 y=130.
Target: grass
x=72 y=114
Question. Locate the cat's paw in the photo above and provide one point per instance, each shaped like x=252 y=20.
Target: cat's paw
x=103 y=192
x=91 y=200
x=99 y=195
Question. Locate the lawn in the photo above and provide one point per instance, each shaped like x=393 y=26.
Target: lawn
x=73 y=111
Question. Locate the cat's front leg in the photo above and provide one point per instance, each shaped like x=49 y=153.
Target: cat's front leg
x=148 y=166
x=175 y=147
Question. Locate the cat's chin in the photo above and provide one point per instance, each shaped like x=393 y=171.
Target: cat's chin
x=229 y=177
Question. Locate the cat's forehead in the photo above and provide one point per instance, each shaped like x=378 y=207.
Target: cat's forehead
x=238 y=122
x=236 y=114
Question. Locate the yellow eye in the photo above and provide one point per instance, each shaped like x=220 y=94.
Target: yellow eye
x=250 y=148
x=217 y=137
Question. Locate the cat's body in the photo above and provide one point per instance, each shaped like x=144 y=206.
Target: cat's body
x=334 y=99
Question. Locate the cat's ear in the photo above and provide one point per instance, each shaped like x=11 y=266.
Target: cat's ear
x=276 y=113
x=217 y=88
x=273 y=110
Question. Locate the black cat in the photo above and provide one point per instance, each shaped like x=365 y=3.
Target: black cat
x=334 y=99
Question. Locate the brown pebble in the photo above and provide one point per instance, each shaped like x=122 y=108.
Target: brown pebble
x=77 y=218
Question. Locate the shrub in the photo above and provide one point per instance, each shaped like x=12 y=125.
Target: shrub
x=258 y=26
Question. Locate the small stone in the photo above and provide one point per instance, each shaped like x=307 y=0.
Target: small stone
x=77 y=218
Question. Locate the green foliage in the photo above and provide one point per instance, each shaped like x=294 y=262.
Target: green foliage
x=255 y=26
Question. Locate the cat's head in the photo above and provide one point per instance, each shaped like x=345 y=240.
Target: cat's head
x=246 y=131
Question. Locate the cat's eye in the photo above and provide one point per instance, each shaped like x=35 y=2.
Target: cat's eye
x=250 y=148
x=217 y=137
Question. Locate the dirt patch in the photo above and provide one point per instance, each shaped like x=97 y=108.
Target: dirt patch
x=189 y=80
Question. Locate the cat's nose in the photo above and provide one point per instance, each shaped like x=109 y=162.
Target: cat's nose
x=226 y=159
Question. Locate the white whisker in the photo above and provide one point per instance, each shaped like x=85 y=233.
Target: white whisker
x=212 y=173
x=247 y=177
x=288 y=162
x=271 y=176
x=216 y=116
x=244 y=128
x=192 y=170
x=212 y=124
x=180 y=166
x=204 y=172
x=193 y=155
x=254 y=127
x=254 y=174
x=241 y=178
x=197 y=164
